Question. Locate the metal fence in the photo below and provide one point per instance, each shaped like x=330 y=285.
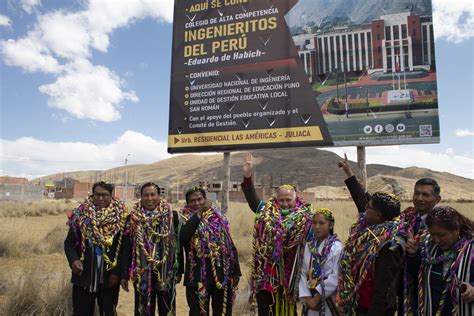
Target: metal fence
x=28 y=192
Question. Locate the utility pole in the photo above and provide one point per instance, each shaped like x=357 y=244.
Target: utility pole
x=362 y=168
x=125 y=185
x=226 y=184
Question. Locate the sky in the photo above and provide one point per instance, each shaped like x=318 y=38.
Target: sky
x=85 y=83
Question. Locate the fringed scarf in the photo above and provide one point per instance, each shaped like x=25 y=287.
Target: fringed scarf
x=278 y=249
x=358 y=258
x=99 y=227
x=212 y=244
x=154 y=249
x=457 y=263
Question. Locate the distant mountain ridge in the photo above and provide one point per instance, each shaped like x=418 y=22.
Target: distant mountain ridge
x=343 y=12
x=305 y=167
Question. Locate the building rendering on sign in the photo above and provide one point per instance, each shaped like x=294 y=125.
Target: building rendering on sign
x=393 y=43
x=308 y=73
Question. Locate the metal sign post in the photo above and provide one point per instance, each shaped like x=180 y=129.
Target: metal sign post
x=362 y=167
x=226 y=183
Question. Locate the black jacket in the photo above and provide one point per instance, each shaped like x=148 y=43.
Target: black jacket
x=71 y=248
x=187 y=233
x=388 y=264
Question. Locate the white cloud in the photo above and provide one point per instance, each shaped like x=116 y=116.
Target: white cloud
x=29 y=5
x=105 y=16
x=33 y=157
x=83 y=90
x=71 y=35
x=5 y=21
x=464 y=133
x=410 y=156
x=65 y=34
x=30 y=54
x=87 y=91
x=453 y=20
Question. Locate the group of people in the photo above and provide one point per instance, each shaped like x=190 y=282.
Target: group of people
x=416 y=262
x=107 y=247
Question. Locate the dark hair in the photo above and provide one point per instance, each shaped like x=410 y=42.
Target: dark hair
x=387 y=204
x=194 y=190
x=107 y=186
x=150 y=184
x=327 y=216
x=432 y=182
x=450 y=219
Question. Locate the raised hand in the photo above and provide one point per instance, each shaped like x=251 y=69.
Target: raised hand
x=205 y=206
x=346 y=166
x=248 y=165
x=411 y=245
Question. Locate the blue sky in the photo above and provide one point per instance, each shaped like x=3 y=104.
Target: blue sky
x=85 y=83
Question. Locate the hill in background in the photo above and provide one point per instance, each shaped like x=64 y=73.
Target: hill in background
x=327 y=14
x=309 y=169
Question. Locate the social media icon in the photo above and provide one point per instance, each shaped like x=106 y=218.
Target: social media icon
x=389 y=128
x=401 y=127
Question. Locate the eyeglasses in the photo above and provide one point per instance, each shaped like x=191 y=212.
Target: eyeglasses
x=101 y=195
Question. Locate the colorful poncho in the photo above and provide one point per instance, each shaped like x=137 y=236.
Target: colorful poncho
x=212 y=243
x=278 y=248
x=408 y=220
x=318 y=259
x=457 y=263
x=154 y=248
x=99 y=227
x=358 y=258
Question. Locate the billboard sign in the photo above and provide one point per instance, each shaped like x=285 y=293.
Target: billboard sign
x=264 y=74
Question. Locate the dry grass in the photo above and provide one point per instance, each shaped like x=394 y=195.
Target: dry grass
x=41 y=208
x=34 y=274
x=24 y=237
x=12 y=246
x=38 y=294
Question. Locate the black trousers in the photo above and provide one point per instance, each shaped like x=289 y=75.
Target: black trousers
x=83 y=301
x=165 y=299
x=361 y=311
x=266 y=304
x=217 y=298
x=414 y=300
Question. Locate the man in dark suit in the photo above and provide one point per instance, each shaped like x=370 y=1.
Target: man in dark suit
x=92 y=246
x=151 y=254
x=212 y=273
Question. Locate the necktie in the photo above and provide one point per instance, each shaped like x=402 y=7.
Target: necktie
x=417 y=225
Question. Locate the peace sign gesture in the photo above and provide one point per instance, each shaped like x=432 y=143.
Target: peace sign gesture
x=411 y=244
x=346 y=166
